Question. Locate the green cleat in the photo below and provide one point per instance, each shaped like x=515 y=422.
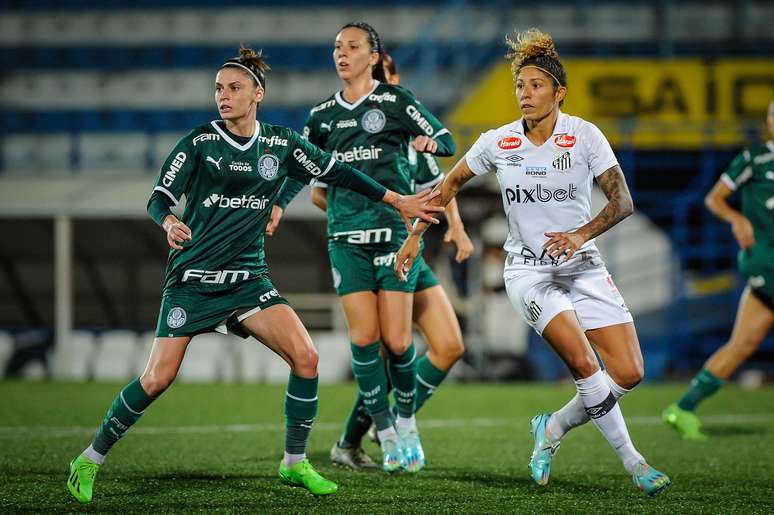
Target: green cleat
x=304 y=475
x=650 y=481
x=81 y=480
x=684 y=422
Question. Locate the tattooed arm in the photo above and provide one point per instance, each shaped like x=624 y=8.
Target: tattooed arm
x=619 y=206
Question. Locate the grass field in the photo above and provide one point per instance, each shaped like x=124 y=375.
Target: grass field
x=216 y=449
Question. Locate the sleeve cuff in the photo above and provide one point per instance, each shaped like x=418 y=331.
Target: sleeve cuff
x=728 y=181
x=167 y=193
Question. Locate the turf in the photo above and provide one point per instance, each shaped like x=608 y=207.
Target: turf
x=215 y=449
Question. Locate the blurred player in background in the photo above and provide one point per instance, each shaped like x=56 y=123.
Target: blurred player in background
x=373 y=124
x=752 y=173
x=230 y=172
x=554 y=274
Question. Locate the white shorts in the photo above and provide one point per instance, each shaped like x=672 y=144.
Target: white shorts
x=589 y=291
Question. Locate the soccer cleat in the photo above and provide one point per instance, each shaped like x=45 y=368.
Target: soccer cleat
x=304 y=475
x=543 y=451
x=81 y=480
x=373 y=435
x=392 y=455
x=684 y=422
x=354 y=458
x=412 y=448
x=649 y=480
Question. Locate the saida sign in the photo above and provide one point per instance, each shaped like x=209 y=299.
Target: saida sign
x=649 y=103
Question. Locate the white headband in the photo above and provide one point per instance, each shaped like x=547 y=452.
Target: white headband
x=257 y=80
x=541 y=69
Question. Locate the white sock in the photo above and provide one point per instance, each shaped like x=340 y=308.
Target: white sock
x=573 y=414
x=406 y=423
x=94 y=456
x=387 y=434
x=292 y=459
x=602 y=407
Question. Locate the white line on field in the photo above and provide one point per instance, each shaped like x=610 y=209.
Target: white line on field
x=51 y=432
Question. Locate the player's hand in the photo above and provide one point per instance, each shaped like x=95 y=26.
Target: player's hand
x=274 y=220
x=457 y=235
x=405 y=257
x=425 y=144
x=743 y=232
x=563 y=244
x=177 y=232
x=415 y=206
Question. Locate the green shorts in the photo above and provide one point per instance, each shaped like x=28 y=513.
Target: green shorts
x=757 y=266
x=188 y=312
x=427 y=278
x=364 y=268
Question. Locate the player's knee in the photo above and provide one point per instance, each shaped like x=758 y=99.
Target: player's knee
x=630 y=378
x=747 y=344
x=305 y=361
x=397 y=345
x=582 y=365
x=156 y=381
x=451 y=352
x=361 y=338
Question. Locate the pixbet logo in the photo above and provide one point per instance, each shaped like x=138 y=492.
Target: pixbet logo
x=539 y=194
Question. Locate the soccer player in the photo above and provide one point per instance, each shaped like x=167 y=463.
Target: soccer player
x=230 y=172
x=545 y=163
x=373 y=124
x=751 y=172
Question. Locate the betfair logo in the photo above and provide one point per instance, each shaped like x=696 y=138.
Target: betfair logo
x=243 y=202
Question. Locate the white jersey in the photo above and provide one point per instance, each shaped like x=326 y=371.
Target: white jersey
x=545 y=188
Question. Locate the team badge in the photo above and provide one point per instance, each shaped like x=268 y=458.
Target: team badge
x=336 y=277
x=562 y=161
x=373 y=121
x=268 y=165
x=176 y=318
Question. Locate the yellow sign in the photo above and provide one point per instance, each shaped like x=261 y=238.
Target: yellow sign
x=645 y=103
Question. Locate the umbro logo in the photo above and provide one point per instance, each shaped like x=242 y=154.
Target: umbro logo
x=514 y=160
x=216 y=163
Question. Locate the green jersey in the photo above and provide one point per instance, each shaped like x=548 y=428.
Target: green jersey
x=230 y=184
x=374 y=135
x=752 y=172
x=426 y=172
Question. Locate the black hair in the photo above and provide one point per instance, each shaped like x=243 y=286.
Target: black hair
x=255 y=63
x=536 y=48
x=377 y=72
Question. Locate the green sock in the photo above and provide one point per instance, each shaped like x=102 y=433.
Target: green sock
x=429 y=377
x=300 y=410
x=127 y=407
x=404 y=382
x=372 y=382
x=357 y=426
x=703 y=385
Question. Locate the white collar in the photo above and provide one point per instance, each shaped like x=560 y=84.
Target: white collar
x=346 y=105
x=560 y=127
x=231 y=141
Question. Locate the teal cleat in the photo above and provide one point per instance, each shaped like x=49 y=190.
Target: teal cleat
x=650 y=481
x=543 y=451
x=412 y=449
x=393 y=459
x=80 y=482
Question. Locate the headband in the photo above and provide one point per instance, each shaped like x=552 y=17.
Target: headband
x=541 y=69
x=258 y=80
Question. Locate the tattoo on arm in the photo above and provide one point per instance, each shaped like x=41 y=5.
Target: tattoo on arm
x=619 y=203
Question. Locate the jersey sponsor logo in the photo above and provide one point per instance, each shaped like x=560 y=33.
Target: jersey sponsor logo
x=385 y=260
x=415 y=115
x=763 y=158
x=207 y=136
x=243 y=202
x=531 y=259
x=268 y=166
x=384 y=97
x=770 y=176
x=216 y=163
x=513 y=160
x=306 y=163
x=564 y=141
x=324 y=105
x=215 y=276
x=274 y=140
x=174 y=167
x=562 y=162
x=360 y=153
x=373 y=121
x=536 y=171
x=346 y=124
x=266 y=297
x=509 y=143
x=176 y=318
x=240 y=166
x=365 y=236
x=539 y=194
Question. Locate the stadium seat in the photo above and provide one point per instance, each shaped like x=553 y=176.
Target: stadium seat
x=335 y=361
x=109 y=154
x=22 y=155
x=76 y=361
x=204 y=358
x=115 y=356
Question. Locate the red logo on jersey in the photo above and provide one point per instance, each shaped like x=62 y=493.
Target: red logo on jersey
x=509 y=143
x=564 y=141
